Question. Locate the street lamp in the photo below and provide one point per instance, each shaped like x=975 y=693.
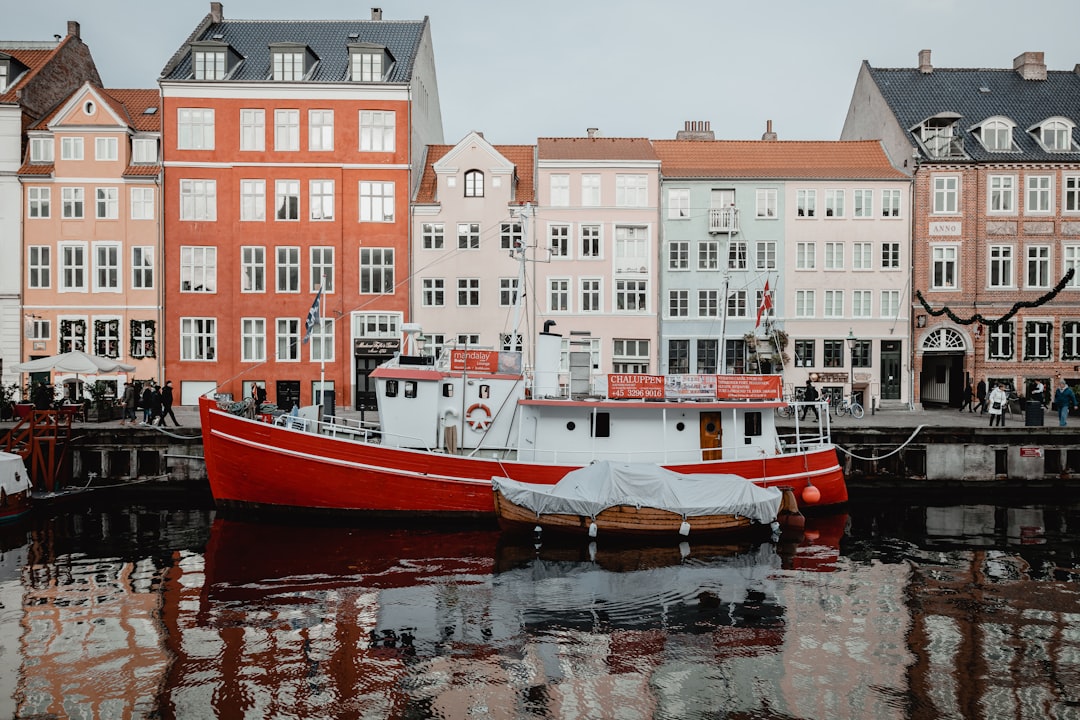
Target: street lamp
x=851 y=340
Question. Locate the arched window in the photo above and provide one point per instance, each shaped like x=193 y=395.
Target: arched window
x=996 y=135
x=944 y=340
x=1056 y=135
x=474 y=184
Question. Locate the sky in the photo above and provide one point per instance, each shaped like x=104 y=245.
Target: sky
x=518 y=70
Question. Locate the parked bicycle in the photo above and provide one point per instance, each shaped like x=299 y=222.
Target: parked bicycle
x=787 y=410
x=849 y=405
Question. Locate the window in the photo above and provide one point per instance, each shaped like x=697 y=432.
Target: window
x=71 y=202
x=106 y=149
x=466 y=339
x=678 y=203
x=40 y=330
x=432 y=236
x=678 y=255
x=287 y=65
x=559 y=240
x=39 y=267
x=474 y=184
x=1037 y=336
x=590 y=296
x=287 y=199
x=890 y=255
x=766 y=255
x=142 y=267
x=736 y=304
x=511 y=236
x=252 y=339
x=321 y=200
x=707 y=355
x=143 y=344
x=194 y=129
x=1038 y=266
x=631 y=296
x=1056 y=136
x=41 y=150
x=804 y=303
x=434 y=292
x=1071 y=201
x=286 y=130
x=890 y=303
x=737 y=252
x=1001 y=266
x=631 y=190
x=708 y=303
x=834 y=203
x=71 y=148
x=996 y=136
x=142 y=203
x=198 y=200
x=376 y=271
x=144 y=151
x=288 y=339
x=198 y=338
x=208 y=64
x=376 y=201
x=38 y=200
x=468 y=292
x=765 y=203
x=558 y=295
x=678 y=357
x=321 y=342
x=320 y=130
x=678 y=303
x=805 y=203
x=590 y=241
x=735 y=356
x=1040 y=193
x=834 y=256
x=943 y=267
x=377 y=130
x=107 y=267
x=252 y=200
x=253 y=129
x=890 y=203
x=834 y=303
x=72 y=334
x=863 y=201
x=630 y=356
x=861 y=303
x=367 y=66
x=804 y=353
x=1002 y=194
x=253 y=269
x=1000 y=341
x=468 y=236
x=508 y=291
x=862 y=256
x=708 y=255
x=287 y=269
x=72 y=267
x=834 y=353
x=108 y=203
x=198 y=269
x=861 y=354
x=1070 y=340
x=322 y=268
x=805 y=256
x=107 y=337
x=590 y=190
x=560 y=190
x=1071 y=261
x=946 y=190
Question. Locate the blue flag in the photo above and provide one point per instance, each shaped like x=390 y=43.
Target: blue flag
x=312 y=316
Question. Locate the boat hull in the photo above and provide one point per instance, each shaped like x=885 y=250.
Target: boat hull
x=256 y=465
x=13 y=506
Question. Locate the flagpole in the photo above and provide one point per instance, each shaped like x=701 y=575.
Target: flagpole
x=322 y=352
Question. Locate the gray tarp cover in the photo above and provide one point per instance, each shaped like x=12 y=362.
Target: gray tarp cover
x=591 y=489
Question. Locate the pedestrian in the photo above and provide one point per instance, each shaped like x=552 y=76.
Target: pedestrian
x=966 y=397
x=980 y=393
x=129 y=400
x=1064 y=401
x=810 y=394
x=146 y=402
x=997 y=401
x=166 y=403
x=1038 y=391
x=155 y=405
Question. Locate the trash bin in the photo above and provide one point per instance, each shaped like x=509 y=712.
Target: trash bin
x=327 y=400
x=1033 y=415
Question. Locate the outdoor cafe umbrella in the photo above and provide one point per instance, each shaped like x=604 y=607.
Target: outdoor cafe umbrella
x=76 y=362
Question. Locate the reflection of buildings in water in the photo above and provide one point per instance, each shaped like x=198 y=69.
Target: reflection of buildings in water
x=13 y=554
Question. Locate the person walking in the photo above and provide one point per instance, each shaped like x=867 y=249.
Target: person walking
x=129 y=399
x=155 y=405
x=1038 y=392
x=167 y=403
x=980 y=395
x=810 y=394
x=966 y=397
x=1064 y=401
x=997 y=401
x=146 y=402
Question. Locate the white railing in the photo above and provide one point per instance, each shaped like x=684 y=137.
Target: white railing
x=723 y=220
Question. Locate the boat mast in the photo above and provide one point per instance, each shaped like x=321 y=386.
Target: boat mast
x=519 y=249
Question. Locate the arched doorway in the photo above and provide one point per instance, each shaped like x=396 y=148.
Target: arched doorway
x=942 y=379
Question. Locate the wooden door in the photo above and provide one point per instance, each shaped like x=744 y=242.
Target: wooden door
x=711 y=436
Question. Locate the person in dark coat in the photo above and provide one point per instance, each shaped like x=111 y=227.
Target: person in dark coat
x=155 y=405
x=810 y=394
x=167 y=403
x=980 y=393
x=146 y=403
x=966 y=397
x=130 y=399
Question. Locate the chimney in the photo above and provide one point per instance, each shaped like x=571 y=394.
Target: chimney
x=769 y=134
x=924 y=62
x=73 y=28
x=217 y=13
x=376 y=13
x=592 y=132
x=1030 y=65
x=696 y=130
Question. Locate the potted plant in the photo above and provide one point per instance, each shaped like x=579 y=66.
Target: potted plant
x=7 y=400
x=100 y=407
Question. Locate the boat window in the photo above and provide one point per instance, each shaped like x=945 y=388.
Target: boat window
x=680 y=426
x=752 y=425
x=448 y=390
x=570 y=426
x=601 y=425
x=485 y=392
x=391 y=388
x=410 y=388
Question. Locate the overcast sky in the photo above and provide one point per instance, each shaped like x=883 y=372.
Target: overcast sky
x=520 y=70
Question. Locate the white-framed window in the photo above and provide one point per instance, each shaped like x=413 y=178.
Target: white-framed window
x=468 y=292
x=41 y=150
x=708 y=255
x=861 y=303
x=631 y=295
x=321 y=342
x=737 y=255
x=678 y=303
x=558 y=295
x=508 y=291
x=834 y=203
x=194 y=129
x=72 y=333
x=630 y=356
x=559 y=240
x=321 y=262
x=38 y=201
x=106 y=267
x=559 y=185
x=890 y=303
x=804 y=304
x=142 y=267
x=834 y=256
x=805 y=256
x=890 y=203
x=1070 y=339
x=1070 y=191
x=678 y=203
x=320 y=130
x=367 y=66
x=736 y=304
x=999 y=344
x=252 y=269
x=287 y=269
x=590 y=298
x=862 y=256
x=142 y=203
x=321 y=200
x=468 y=236
x=1002 y=190
x=376 y=201
x=946 y=190
x=287 y=200
x=765 y=252
x=1039 y=196
x=376 y=271
x=144 y=151
x=1001 y=273
x=1070 y=257
x=806 y=203
x=71 y=148
x=474 y=183
x=765 y=203
x=287 y=65
x=72 y=203
x=433 y=236
x=631 y=249
x=1038 y=337
x=679 y=255
x=378 y=129
x=252 y=200
x=708 y=303
x=1037 y=274
x=198 y=200
x=39 y=267
x=198 y=269
x=890 y=256
x=72 y=267
x=590 y=246
x=40 y=329
x=944 y=270
x=996 y=135
x=834 y=303
x=287 y=336
x=631 y=190
x=208 y=64
x=108 y=203
x=590 y=190
x=106 y=336
x=252 y=339
x=106 y=149
x=1056 y=135
x=434 y=292
x=252 y=129
x=863 y=203
x=287 y=130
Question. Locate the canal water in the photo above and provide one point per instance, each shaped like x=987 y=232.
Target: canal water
x=156 y=607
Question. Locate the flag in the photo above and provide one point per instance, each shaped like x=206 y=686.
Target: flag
x=312 y=316
x=765 y=306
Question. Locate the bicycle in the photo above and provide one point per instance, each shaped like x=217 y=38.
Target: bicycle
x=787 y=410
x=852 y=406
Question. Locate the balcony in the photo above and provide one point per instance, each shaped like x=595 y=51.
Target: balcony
x=723 y=220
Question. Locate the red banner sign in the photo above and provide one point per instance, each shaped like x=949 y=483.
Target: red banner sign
x=486 y=361
x=623 y=387
x=749 y=387
x=1031 y=452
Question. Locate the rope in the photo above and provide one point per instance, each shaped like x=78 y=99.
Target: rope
x=888 y=454
x=1017 y=306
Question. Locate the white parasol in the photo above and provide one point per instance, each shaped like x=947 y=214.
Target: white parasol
x=76 y=362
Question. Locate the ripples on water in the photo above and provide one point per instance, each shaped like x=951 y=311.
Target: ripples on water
x=888 y=612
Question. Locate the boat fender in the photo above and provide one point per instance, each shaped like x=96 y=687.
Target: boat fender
x=480 y=421
x=684 y=529
x=592 y=529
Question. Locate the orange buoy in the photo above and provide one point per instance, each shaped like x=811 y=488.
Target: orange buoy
x=811 y=494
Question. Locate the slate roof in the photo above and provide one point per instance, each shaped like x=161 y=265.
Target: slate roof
x=777 y=159
x=327 y=39
x=520 y=155
x=601 y=148
x=914 y=96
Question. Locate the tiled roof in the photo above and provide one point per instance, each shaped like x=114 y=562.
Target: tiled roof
x=520 y=155
x=142 y=170
x=33 y=59
x=133 y=105
x=327 y=39
x=601 y=148
x=36 y=169
x=863 y=159
x=978 y=94
x=425 y=194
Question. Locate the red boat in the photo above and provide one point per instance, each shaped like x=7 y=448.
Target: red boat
x=15 y=487
x=447 y=426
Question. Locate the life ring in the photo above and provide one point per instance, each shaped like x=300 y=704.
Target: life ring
x=479 y=423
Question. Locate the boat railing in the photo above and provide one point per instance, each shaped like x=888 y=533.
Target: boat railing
x=807 y=434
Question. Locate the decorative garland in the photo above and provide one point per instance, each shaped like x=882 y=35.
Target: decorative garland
x=1017 y=306
x=141 y=337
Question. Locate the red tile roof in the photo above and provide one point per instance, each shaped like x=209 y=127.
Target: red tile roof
x=520 y=155
x=864 y=159
x=32 y=59
x=595 y=149
x=133 y=105
x=36 y=169
x=142 y=170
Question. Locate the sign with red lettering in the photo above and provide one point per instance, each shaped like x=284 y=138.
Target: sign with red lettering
x=626 y=386
x=690 y=386
x=1032 y=452
x=748 y=387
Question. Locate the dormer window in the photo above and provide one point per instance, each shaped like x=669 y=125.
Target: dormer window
x=474 y=184
x=291 y=62
x=5 y=75
x=938 y=136
x=369 y=62
x=1055 y=135
x=10 y=70
x=41 y=150
x=144 y=150
x=996 y=135
x=212 y=60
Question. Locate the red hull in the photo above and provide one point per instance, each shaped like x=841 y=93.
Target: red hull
x=252 y=463
x=14 y=506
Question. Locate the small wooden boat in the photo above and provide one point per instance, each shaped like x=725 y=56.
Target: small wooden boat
x=14 y=487
x=638 y=500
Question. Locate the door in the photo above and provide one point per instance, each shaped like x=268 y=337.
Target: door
x=365 y=386
x=287 y=394
x=890 y=370
x=711 y=436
